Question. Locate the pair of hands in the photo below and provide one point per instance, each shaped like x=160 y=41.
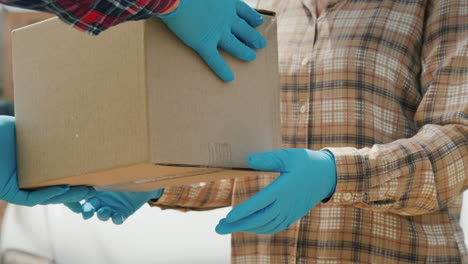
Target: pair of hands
x=307 y=177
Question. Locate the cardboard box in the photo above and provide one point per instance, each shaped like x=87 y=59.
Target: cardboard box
x=136 y=109
x=12 y=19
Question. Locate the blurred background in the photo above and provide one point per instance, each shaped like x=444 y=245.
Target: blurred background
x=53 y=234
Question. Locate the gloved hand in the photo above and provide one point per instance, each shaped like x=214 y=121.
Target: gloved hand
x=307 y=177
x=206 y=24
x=9 y=190
x=116 y=205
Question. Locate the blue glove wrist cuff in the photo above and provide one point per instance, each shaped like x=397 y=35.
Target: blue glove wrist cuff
x=157 y=195
x=332 y=159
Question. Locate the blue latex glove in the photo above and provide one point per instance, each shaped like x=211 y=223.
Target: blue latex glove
x=307 y=177
x=205 y=25
x=116 y=205
x=9 y=190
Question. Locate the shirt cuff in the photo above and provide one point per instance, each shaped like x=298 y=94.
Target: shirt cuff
x=96 y=16
x=352 y=182
x=170 y=199
x=171 y=7
x=332 y=191
x=157 y=195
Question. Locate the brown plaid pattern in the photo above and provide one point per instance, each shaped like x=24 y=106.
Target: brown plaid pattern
x=383 y=84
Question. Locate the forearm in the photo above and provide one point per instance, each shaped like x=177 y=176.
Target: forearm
x=410 y=176
x=95 y=16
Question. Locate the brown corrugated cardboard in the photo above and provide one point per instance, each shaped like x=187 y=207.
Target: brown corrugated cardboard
x=135 y=109
x=10 y=20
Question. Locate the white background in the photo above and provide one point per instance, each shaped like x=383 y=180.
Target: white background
x=149 y=236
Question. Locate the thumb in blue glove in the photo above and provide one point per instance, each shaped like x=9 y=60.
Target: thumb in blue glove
x=205 y=25
x=9 y=190
x=116 y=205
x=307 y=177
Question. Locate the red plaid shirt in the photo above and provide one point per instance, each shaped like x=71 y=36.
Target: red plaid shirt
x=95 y=16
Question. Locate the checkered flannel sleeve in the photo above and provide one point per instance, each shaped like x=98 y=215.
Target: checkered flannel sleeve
x=95 y=16
x=197 y=197
x=419 y=175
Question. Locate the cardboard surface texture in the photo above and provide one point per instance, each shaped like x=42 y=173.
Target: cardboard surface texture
x=136 y=109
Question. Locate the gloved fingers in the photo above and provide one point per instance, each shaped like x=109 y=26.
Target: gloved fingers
x=248 y=35
x=223 y=227
x=255 y=220
x=75 y=207
x=256 y=203
x=91 y=193
x=118 y=218
x=236 y=48
x=269 y=161
x=217 y=63
x=104 y=213
x=248 y=14
x=90 y=207
x=31 y=198
x=75 y=194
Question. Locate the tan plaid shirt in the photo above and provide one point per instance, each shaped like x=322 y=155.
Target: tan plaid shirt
x=383 y=84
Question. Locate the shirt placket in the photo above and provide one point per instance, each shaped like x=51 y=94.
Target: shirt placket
x=305 y=84
x=303 y=104
x=305 y=78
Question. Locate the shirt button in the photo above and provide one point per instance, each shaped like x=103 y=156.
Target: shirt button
x=347 y=196
x=305 y=61
x=303 y=108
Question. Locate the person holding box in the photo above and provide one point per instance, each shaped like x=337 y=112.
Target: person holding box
x=375 y=133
